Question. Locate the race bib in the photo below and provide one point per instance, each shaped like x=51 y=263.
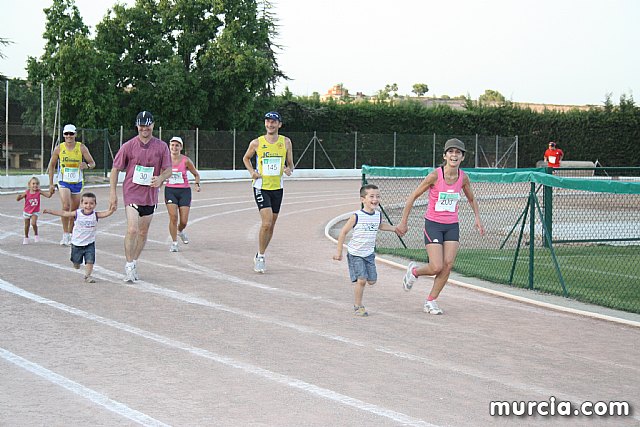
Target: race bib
x=71 y=175
x=142 y=175
x=552 y=159
x=271 y=166
x=447 y=202
x=176 y=178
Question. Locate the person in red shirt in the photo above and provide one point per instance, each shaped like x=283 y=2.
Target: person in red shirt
x=553 y=155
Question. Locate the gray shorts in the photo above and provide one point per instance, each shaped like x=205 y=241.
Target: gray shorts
x=362 y=267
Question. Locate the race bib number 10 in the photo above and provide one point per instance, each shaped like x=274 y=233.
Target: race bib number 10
x=271 y=166
x=142 y=175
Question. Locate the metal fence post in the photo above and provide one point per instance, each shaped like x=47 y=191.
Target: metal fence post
x=516 y=151
x=234 y=148
x=121 y=136
x=495 y=162
x=476 y=153
x=160 y=133
x=394 y=149
x=105 y=152
x=433 y=159
x=315 y=138
x=197 y=147
x=355 y=151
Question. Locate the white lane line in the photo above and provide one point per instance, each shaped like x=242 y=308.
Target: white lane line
x=143 y=286
x=76 y=388
x=227 y=361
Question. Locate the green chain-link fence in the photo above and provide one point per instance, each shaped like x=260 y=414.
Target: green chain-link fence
x=573 y=236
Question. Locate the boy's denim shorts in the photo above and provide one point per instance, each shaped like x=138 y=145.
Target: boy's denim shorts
x=87 y=252
x=362 y=267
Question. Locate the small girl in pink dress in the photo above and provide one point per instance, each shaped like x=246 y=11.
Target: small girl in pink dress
x=31 y=210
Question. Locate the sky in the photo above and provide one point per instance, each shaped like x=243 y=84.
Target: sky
x=571 y=52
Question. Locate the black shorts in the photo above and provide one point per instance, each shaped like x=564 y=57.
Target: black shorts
x=144 y=210
x=435 y=232
x=177 y=196
x=268 y=199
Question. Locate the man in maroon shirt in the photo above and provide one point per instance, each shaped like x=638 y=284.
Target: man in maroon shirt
x=147 y=163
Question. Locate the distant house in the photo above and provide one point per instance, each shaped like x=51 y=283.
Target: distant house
x=338 y=93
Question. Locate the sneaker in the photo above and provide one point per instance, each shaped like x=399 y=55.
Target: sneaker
x=63 y=241
x=89 y=279
x=259 y=264
x=135 y=271
x=173 y=247
x=360 y=311
x=183 y=237
x=25 y=241
x=409 y=279
x=129 y=275
x=36 y=239
x=431 y=307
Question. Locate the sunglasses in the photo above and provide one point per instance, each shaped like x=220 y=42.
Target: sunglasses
x=68 y=133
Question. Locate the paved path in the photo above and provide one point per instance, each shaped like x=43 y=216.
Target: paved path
x=203 y=340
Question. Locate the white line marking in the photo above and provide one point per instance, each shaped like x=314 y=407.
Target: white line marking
x=82 y=391
x=206 y=354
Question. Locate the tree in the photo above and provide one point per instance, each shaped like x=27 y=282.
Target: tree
x=492 y=96
x=3 y=42
x=71 y=67
x=420 y=89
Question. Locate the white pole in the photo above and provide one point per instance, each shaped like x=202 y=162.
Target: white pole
x=6 y=134
x=197 y=147
x=234 y=149
x=42 y=129
x=121 y=135
x=516 y=151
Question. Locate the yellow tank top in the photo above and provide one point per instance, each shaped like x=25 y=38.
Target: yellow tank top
x=70 y=160
x=270 y=162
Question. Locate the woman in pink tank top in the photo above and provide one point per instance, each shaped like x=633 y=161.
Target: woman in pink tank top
x=177 y=193
x=441 y=232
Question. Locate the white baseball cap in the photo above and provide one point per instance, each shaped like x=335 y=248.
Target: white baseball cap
x=69 y=128
x=177 y=138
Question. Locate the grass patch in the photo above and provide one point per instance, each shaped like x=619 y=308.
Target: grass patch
x=599 y=274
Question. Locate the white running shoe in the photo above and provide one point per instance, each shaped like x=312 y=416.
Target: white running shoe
x=431 y=307
x=25 y=241
x=129 y=273
x=67 y=239
x=259 y=264
x=36 y=239
x=409 y=279
x=173 y=247
x=183 y=237
x=63 y=241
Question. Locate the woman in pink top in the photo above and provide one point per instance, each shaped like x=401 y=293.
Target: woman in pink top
x=442 y=231
x=32 y=207
x=177 y=192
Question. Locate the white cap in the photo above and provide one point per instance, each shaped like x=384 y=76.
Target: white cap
x=177 y=138
x=69 y=128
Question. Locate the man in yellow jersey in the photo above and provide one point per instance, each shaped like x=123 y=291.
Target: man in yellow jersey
x=273 y=155
x=70 y=158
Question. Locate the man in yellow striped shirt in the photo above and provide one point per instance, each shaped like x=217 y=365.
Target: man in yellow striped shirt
x=273 y=156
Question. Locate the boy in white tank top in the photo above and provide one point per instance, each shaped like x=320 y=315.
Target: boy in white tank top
x=83 y=238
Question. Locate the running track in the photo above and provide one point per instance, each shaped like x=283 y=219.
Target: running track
x=202 y=340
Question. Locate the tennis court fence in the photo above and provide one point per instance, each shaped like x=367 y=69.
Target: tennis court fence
x=578 y=237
